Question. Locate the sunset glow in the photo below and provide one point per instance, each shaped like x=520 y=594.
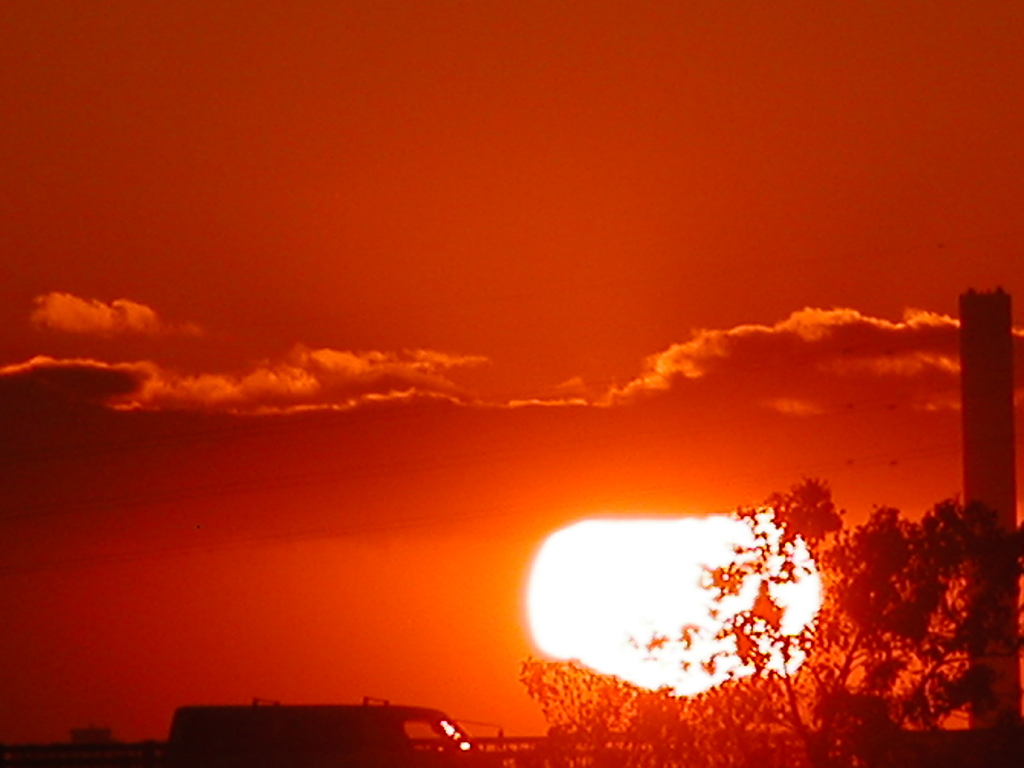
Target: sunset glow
x=318 y=318
x=602 y=590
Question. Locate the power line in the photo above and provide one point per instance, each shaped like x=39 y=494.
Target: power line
x=405 y=523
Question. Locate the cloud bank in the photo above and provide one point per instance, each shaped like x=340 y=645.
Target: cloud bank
x=310 y=378
x=813 y=362
x=305 y=379
x=810 y=358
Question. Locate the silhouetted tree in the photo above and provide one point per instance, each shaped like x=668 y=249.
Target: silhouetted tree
x=601 y=720
x=906 y=605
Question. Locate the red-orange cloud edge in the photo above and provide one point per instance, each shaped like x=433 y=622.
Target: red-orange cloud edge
x=803 y=365
x=68 y=313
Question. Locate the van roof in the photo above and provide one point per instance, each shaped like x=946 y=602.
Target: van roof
x=387 y=712
x=245 y=728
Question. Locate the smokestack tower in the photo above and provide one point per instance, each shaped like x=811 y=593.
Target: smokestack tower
x=986 y=391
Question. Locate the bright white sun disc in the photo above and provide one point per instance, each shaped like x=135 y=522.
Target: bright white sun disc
x=600 y=590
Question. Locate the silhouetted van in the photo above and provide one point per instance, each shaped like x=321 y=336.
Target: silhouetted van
x=317 y=736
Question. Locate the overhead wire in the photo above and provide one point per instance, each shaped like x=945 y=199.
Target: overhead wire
x=384 y=469
x=244 y=427
x=247 y=425
x=248 y=428
x=351 y=529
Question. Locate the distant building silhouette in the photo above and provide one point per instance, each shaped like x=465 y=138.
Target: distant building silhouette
x=989 y=455
x=92 y=735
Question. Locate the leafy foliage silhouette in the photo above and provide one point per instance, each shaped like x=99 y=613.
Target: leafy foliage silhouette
x=908 y=606
x=604 y=721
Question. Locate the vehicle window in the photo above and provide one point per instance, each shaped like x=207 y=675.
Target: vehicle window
x=435 y=735
x=425 y=730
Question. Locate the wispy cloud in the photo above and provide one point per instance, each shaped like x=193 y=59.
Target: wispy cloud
x=305 y=379
x=810 y=356
x=311 y=378
x=71 y=314
x=813 y=362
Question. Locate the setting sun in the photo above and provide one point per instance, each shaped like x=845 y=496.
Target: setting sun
x=602 y=590
x=319 y=318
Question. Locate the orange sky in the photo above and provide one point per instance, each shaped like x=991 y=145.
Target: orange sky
x=317 y=316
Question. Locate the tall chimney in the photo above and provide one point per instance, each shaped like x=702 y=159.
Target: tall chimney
x=986 y=391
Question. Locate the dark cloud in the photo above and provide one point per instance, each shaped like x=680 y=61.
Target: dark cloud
x=304 y=379
x=814 y=360
x=76 y=381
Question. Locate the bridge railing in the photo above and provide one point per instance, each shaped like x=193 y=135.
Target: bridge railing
x=146 y=754
x=515 y=753
x=507 y=752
